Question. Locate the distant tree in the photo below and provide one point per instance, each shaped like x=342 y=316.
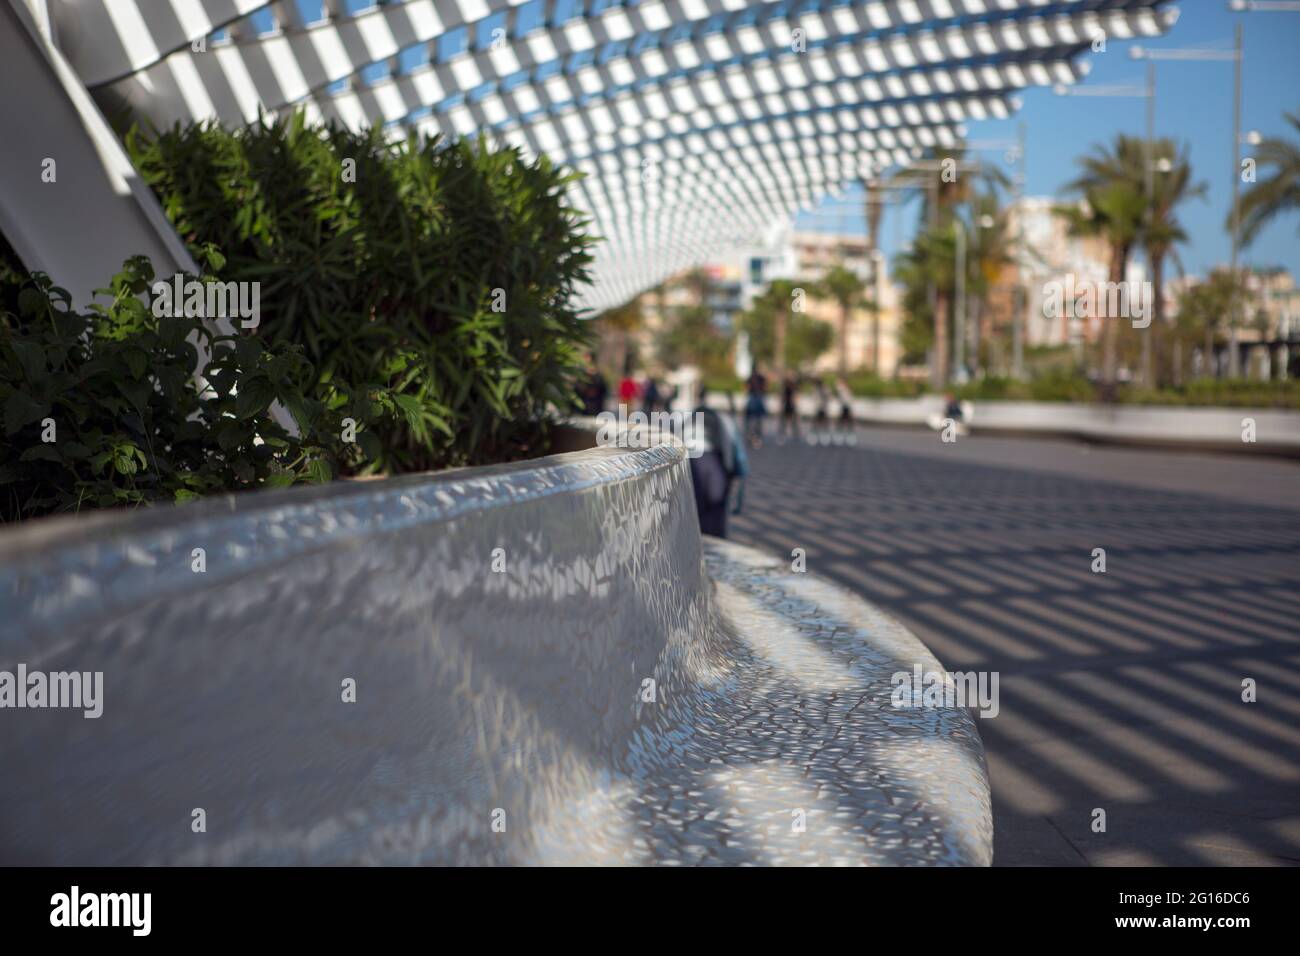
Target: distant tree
x=931 y=262
x=620 y=324
x=1114 y=208
x=1201 y=313
x=948 y=180
x=1172 y=185
x=992 y=249
x=848 y=292
x=781 y=335
x=690 y=337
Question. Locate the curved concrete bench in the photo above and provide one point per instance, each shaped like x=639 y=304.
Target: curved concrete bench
x=544 y=672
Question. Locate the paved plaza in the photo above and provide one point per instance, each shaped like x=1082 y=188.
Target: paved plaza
x=1120 y=691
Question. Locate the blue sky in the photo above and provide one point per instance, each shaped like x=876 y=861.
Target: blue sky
x=1193 y=104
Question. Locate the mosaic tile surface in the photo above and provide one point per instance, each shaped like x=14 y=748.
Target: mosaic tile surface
x=499 y=714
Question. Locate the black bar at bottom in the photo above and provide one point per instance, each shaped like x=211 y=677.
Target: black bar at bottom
x=332 y=906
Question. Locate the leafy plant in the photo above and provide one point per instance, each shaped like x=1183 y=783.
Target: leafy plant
x=101 y=408
x=441 y=273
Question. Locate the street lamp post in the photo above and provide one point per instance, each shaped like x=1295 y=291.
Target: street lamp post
x=1234 y=356
x=960 y=318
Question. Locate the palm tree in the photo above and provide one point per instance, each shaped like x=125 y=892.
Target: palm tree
x=991 y=250
x=954 y=185
x=780 y=335
x=939 y=209
x=1171 y=184
x=1114 y=208
x=1279 y=193
x=844 y=286
x=931 y=263
x=771 y=307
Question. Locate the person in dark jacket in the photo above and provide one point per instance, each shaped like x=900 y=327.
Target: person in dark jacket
x=592 y=390
x=717 y=460
x=845 y=395
x=755 y=407
x=789 y=411
x=650 y=396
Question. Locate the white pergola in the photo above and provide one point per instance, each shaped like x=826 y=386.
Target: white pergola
x=698 y=123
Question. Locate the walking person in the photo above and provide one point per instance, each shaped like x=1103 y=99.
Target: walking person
x=822 y=419
x=718 y=462
x=845 y=395
x=789 y=413
x=627 y=389
x=592 y=390
x=651 y=396
x=755 y=408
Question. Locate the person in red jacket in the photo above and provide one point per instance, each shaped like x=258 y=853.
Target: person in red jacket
x=627 y=390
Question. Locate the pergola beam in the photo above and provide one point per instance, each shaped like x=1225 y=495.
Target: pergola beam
x=695 y=122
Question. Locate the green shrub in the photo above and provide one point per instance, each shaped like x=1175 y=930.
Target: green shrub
x=865 y=384
x=722 y=382
x=441 y=272
x=101 y=408
x=993 y=388
x=1224 y=393
x=1054 y=385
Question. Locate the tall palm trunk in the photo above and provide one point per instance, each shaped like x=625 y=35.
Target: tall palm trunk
x=1110 y=328
x=939 y=374
x=778 y=343
x=875 y=338
x=844 y=339
x=1156 y=331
